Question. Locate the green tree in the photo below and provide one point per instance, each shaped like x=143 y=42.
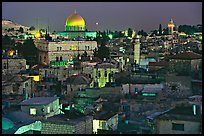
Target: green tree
x=29 y=51
x=130 y=31
x=7 y=42
x=160 y=29
x=142 y=33
x=103 y=52
x=21 y=30
x=32 y=28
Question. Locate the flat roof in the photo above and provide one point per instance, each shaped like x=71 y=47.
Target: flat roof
x=104 y=115
x=181 y=113
x=38 y=101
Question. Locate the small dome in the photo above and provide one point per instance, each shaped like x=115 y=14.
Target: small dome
x=6 y=124
x=75 y=20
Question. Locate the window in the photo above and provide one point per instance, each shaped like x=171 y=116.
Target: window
x=176 y=126
x=103 y=125
x=5 y=66
x=60 y=48
x=26 y=84
x=33 y=111
x=105 y=73
x=57 y=58
x=99 y=74
x=61 y=58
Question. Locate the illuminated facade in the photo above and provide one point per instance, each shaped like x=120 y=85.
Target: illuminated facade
x=62 y=53
x=137 y=51
x=171 y=27
x=41 y=106
x=105 y=121
x=101 y=74
x=76 y=27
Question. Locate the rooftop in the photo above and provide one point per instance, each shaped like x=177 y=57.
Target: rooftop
x=186 y=56
x=104 y=115
x=161 y=63
x=38 y=101
x=63 y=118
x=181 y=113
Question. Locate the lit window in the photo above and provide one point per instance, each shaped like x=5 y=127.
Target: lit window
x=48 y=109
x=33 y=111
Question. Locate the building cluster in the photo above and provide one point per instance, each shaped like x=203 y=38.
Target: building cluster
x=148 y=85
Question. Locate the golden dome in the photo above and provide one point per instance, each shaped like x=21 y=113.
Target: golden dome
x=75 y=20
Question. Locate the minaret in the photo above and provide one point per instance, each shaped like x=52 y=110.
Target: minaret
x=137 y=50
x=171 y=26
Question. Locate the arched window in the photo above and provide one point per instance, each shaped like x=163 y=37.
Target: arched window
x=57 y=59
x=60 y=58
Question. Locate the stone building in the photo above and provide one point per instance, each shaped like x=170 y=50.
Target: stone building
x=185 y=63
x=41 y=106
x=59 y=53
x=103 y=73
x=61 y=124
x=105 y=121
x=13 y=65
x=17 y=84
x=180 y=120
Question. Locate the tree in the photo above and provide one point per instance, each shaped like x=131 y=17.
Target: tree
x=103 y=52
x=32 y=28
x=165 y=31
x=142 y=33
x=130 y=32
x=42 y=30
x=21 y=30
x=160 y=29
x=29 y=51
x=7 y=42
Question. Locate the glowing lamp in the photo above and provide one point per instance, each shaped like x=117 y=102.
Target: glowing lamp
x=171 y=25
x=11 y=52
x=37 y=35
x=110 y=36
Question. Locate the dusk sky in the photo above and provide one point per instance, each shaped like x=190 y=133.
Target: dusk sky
x=109 y=15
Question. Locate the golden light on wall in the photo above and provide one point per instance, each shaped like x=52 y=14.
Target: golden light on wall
x=11 y=52
x=35 y=78
x=171 y=25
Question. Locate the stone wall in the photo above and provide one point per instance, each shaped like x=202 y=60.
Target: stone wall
x=83 y=126
x=165 y=127
x=13 y=65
